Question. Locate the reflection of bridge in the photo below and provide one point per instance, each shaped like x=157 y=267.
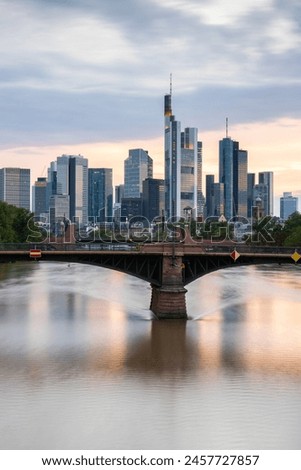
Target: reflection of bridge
x=169 y=267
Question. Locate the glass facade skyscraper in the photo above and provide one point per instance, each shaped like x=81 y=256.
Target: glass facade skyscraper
x=152 y=198
x=15 y=187
x=137 y=167
x=251 y=184
x=100 y=200
x=39 y=197
x=267 y=178
x=183 y=167
x=240 y=183
x=233 y=169
x=72 y=179
x=288 y=205
x=226 y=159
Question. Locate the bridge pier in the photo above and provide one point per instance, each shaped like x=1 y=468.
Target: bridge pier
x=168 y=300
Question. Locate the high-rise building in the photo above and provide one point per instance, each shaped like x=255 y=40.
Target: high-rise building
x=131 y=207
x=72 y=180
x=233 y=168
x=240 y=183
x=119 y=193
x=15 y=187
x=288 y=205
x=59 y=209
x=39 y=197
x=152 y=198
x=227 y=147
x=191 y=172
x=100 y=199
x=267 y=178
x=172 y=159
x=137 y=167
x=209 y=195
x=51 y=183
x=251 y=184
x=183 y=167
x=218 y=199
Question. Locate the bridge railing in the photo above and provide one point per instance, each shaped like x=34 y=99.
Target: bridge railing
x=244 y=249
x=67 y=247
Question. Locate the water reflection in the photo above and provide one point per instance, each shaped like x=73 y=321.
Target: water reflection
x=83 y=337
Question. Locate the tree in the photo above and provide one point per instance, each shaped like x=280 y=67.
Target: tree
x=15 y=224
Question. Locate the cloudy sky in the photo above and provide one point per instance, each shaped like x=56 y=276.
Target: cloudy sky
x=89 y=76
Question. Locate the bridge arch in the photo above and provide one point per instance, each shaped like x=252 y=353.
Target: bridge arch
x=195 y=267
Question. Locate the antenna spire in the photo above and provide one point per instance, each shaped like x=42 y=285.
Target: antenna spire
x=227 y=127
x=170 y=84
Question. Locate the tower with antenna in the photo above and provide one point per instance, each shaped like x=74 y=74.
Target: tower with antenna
x=183 y=162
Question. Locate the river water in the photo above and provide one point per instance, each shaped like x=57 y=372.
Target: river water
x=83 y=364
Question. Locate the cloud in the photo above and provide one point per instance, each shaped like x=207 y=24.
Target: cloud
x=75 y=71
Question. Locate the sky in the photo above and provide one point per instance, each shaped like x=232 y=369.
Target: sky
x=89 y=76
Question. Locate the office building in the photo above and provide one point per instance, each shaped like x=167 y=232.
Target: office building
x=218 y=199
x=250 y=184
x=183 y=167
x=240 y=183
x=137 y=167
x=267 y=178
x=131 y=208
x=72 y=180
x=227 y=147
x=100 y=199
x=59 y=209
x=39 y=197
x=51 y=188
x=288 y=205
x=209 y=195
x=153 y=198
x=15 y=187
x=233 y=168
x=119 y=193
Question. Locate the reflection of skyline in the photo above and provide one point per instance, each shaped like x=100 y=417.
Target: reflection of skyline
x=66 y=333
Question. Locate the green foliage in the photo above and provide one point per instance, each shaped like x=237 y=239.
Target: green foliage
x=287 y=234
x=15 y=224
x=292 y=230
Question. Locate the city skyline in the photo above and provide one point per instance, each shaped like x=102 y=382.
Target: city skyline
x=81 y=80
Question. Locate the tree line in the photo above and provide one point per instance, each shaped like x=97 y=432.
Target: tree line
x=17 y=226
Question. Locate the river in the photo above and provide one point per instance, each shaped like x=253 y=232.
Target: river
x=84 y=365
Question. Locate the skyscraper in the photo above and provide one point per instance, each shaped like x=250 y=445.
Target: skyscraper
x=233 y=168
x=267 y=178
x=100 y=199
x=72 y=180
x=227 y=147
x=51 y=182
x=78 y=189
x=214 y=197
x=152 y=198
x=240 y=183
x=191 y=172
x=15 y=187
x=251 y=184
x=59 y=209
x=172 y=159
x=39 y=197
x=209 y=195
x=137 y=167
x=288 y=205
x=183 y=167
